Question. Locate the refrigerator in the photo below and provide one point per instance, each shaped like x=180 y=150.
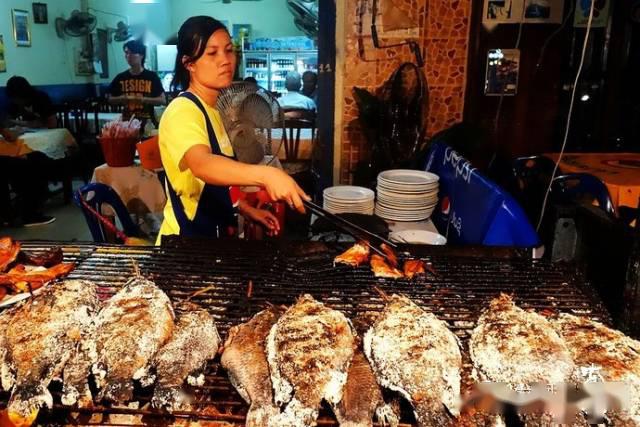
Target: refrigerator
x=270 y=68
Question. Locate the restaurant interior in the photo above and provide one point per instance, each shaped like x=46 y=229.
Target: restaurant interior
x=460 y=163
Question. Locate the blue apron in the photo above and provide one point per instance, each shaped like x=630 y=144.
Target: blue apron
x=215 y=212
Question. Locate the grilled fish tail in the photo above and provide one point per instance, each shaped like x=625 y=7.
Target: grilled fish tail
x=26 y=401
x=117 y=390
x=173 y=398
x=260 y=416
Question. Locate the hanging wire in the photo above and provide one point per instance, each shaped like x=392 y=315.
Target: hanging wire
x=553 y=35
x=568 y=126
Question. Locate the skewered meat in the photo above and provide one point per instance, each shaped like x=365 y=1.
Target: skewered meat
x=414 y=353
x=380 y=268
x=413 y=267
x=18 y=276
x=195 y=340
x=615 y=356
x=245 y=360
x=41 y=337
x=356 y=255
x=9 y=250
x=362 y=398
x=130 y=329
x=309 y=350
x=517 y=347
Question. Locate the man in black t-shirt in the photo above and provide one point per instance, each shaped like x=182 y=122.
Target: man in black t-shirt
x=28 y=106
x=138 y=89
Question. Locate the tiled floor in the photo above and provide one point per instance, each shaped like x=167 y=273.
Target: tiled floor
x=69 y=225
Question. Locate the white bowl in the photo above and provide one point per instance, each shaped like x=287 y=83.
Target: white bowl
x=417 y=237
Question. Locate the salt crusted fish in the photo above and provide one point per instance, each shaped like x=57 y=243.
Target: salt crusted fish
x=134 y=324
x=309 y=350
x=41 y=337
x=517 y=347
x=414 y=353
x=245 y=360
x=195 y=340
x=604 y=354
x=520 y=348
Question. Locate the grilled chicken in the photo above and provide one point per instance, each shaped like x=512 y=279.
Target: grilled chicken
x=309 y=350
x=413 y=267
x=134 y=324
x=245 y=360
x=9 y=250
x=414 y=353
x=380 y=268
x=41 y=337
x=18 y=276
x=615 y=357
x=356 y=255
x=517 y=347
x=195 y=340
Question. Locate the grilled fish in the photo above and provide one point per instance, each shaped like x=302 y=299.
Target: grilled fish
x=362 y=397
x=380 y=268
x=356 y=255
x=41 y=337
x=9 y=250
x=414 y=353
x=245 y=360
x=514 y=346
x=615 y=357
x=309 y=350
x=195 y=340
x=133 y=325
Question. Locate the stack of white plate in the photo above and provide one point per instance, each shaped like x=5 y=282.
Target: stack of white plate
x=406 y=195
x=349 y=199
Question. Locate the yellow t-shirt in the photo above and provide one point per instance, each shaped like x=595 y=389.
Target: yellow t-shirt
x=183 y=126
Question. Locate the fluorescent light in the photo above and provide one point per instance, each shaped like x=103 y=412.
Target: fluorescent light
x=142 y=1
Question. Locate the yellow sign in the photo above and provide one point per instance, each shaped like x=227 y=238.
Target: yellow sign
x=3 y=64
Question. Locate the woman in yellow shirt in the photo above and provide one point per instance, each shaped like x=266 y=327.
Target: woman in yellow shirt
x=195 y=149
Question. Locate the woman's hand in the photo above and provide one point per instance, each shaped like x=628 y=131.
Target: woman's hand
x=281 y=186
x=261 y=216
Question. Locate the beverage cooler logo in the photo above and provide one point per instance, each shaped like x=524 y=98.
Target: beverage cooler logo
x=445 y=210
x=460 y=165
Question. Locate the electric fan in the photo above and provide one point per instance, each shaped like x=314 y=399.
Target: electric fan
x=249 y=113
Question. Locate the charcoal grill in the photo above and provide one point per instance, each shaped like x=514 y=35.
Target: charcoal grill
x=466 y=280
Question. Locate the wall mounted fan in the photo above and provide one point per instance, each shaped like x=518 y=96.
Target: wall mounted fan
x=305 y=14
x=79 y=24
x=249 y=113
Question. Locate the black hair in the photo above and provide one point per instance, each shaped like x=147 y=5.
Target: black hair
x=251 y=79
x=192 y=42
x=18 y=86
x=135 y=46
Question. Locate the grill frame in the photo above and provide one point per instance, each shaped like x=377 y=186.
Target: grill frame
x=467 y=278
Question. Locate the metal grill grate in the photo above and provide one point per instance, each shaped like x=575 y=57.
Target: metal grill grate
x=466 y=281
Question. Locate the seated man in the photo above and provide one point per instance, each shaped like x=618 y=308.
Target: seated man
x=293 y=99
x=26 y=174
x=28 y=106
x=310 y=85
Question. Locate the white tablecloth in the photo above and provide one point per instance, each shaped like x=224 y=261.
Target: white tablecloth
x=55 y=143
x=140 y=191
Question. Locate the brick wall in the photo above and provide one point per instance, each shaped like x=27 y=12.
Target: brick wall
x=444 y=36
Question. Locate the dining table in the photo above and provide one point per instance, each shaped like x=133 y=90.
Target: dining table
x=54 y=143
x=620 y=172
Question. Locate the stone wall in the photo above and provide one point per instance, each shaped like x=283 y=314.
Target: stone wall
x=444 y=36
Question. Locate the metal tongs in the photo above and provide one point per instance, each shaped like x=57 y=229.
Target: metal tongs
x=353 y=229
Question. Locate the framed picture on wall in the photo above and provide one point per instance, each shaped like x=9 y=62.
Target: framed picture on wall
x=21 y=29
x=543 y=11
x=3 y=63
x=503 y=68
x=502 y=11
x=600 y=13
x=40 y=13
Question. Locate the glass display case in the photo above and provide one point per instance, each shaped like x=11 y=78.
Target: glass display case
x=270 y=68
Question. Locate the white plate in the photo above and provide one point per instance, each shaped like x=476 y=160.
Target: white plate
x=418 y=237
x=407 y=190
x=408 y=177
x=348 y=193
x=403 y=195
